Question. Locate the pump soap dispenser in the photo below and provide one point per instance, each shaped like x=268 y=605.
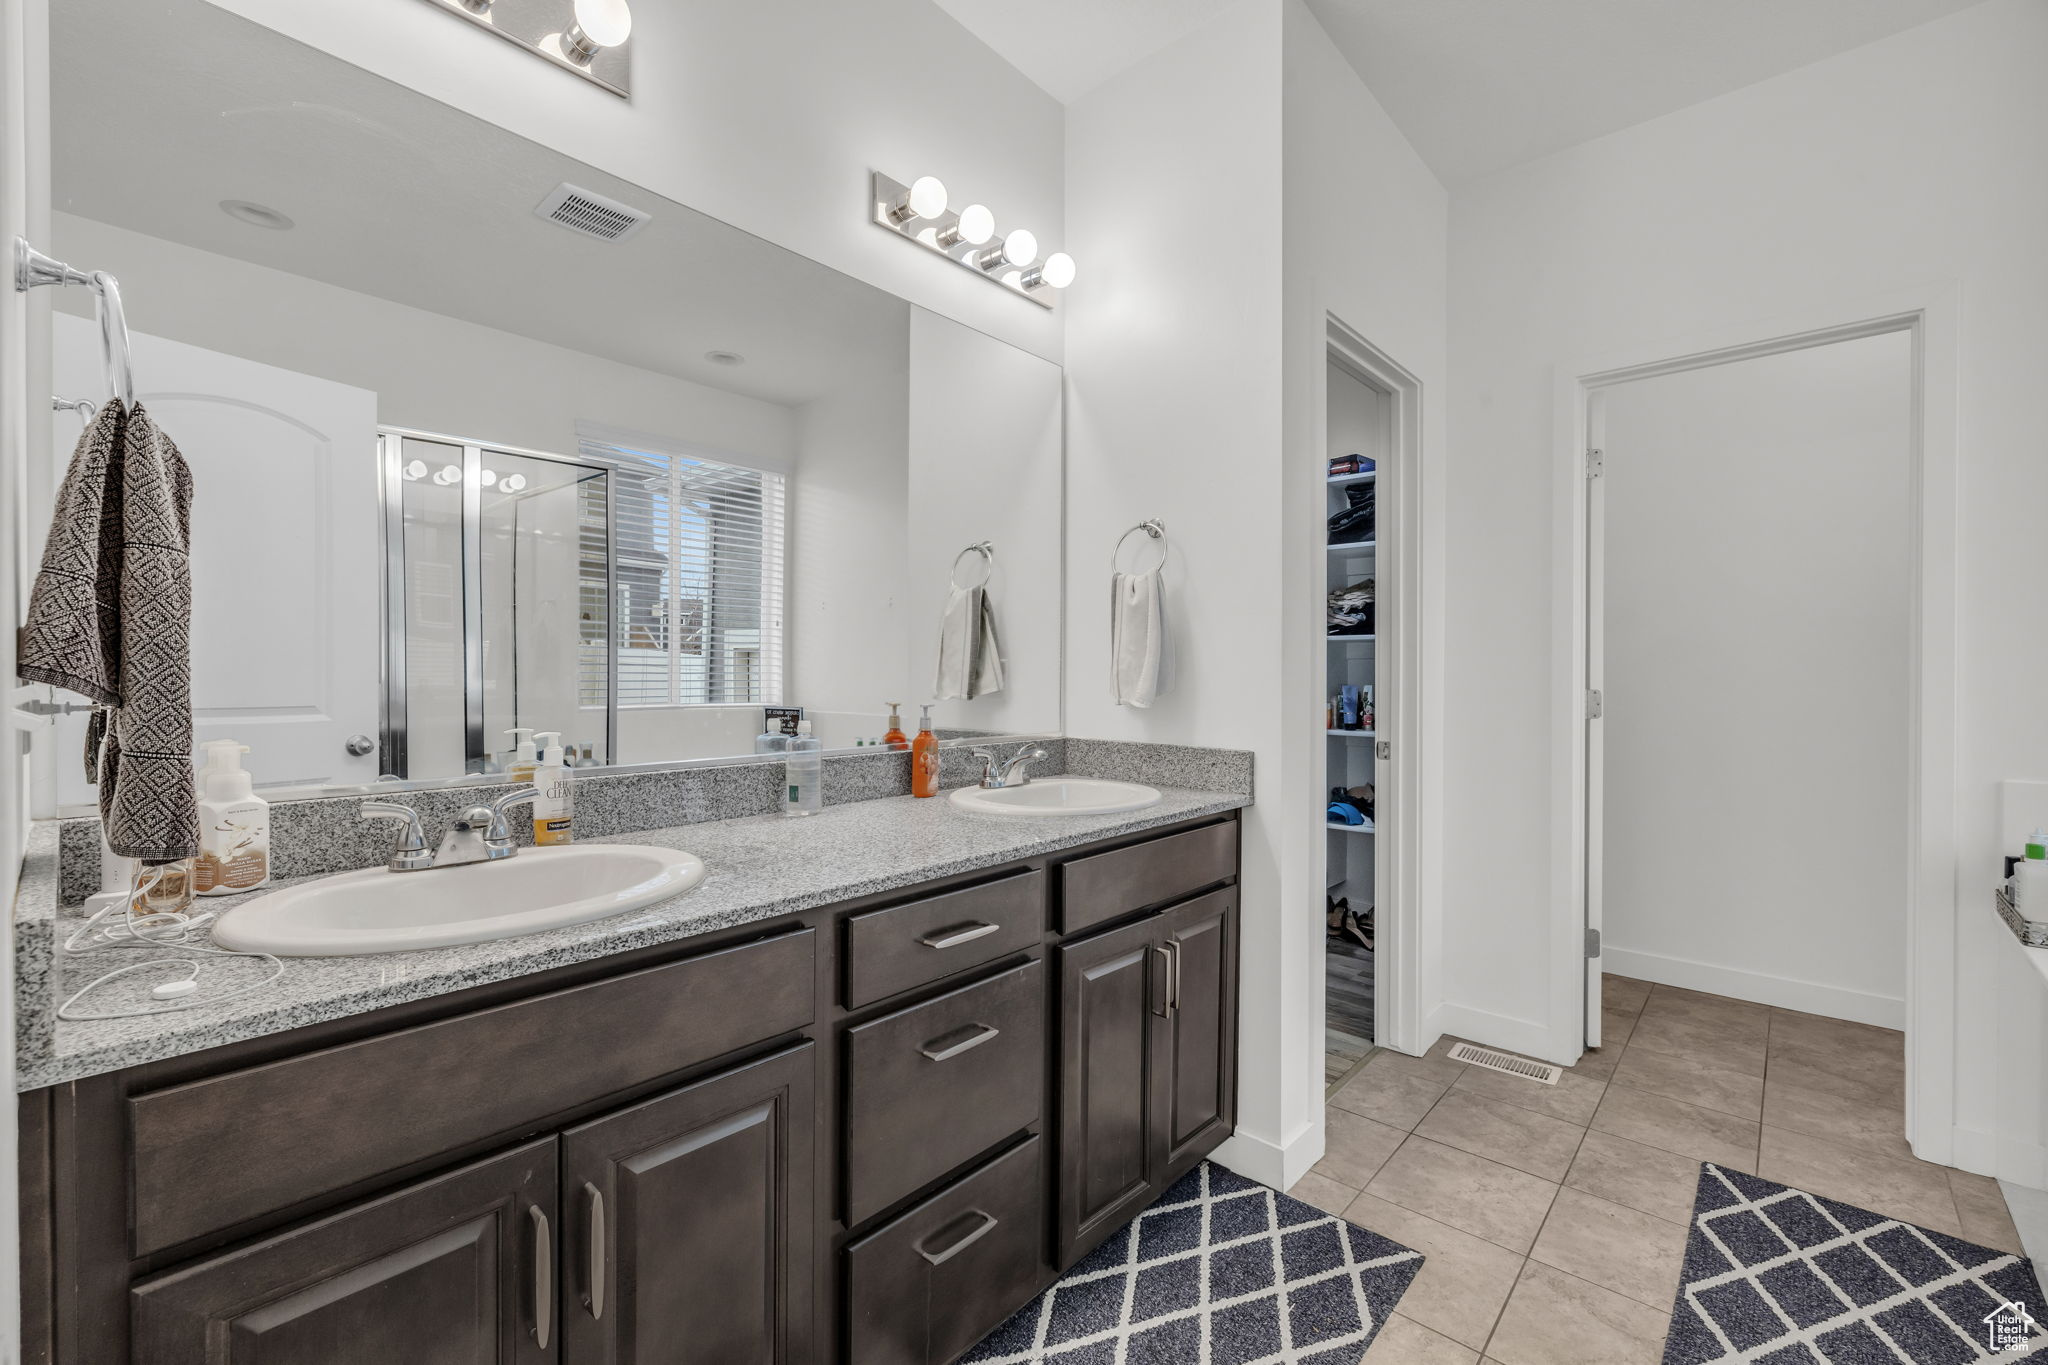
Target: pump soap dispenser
x=554 y=810
x=234 y=824
x=525 y=758
x=924 y=758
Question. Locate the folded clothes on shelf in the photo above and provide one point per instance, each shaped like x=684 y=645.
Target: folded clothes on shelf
x=1350 y=610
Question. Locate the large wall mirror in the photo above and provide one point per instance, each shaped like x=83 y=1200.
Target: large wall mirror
x=485 y=440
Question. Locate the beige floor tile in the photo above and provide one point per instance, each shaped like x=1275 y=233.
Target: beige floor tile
x=1324 y=1193
x=1704 y=1004
x=1623 y=993
x=1557 y=1319
x=1915 y=1191
x=1734 y=1041
x=1355 y=1147
x=1573 y=1098
x=1485 y=1198
x=1396 y=1089
x=1981 y=1206
x=1695 y=1079
x=1875 y=1126
x=1464 y=1280
x=1502 y=1132
x=1617 y=1248
x=1852 y=1075
x=1645 y=1178
x=1440 y=1052
x=1597 y=1064
x=1403 y=1341
x=1675 y=1126
x=1791 y=1029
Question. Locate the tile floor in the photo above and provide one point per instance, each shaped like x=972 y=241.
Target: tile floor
x=1554 y=1217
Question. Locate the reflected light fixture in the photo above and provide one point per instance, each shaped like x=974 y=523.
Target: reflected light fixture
x=415 y=471
x=512 y=483
x=599 y=24
x=487 y=477
x=968 y=237
x=448 y=474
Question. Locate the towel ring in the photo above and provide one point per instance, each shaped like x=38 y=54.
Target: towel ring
x=987 y=551
x=1152 y=527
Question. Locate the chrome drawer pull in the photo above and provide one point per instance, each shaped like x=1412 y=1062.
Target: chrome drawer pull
x=988 y=1223
x=954 y=938
x=543 y=1277
x=597 y=1249
x=940 y=1054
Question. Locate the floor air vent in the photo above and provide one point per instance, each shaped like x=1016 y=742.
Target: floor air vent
x=592 y=214
x=1508 y=1062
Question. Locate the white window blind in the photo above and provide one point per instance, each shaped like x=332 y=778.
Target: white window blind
x=698 y=577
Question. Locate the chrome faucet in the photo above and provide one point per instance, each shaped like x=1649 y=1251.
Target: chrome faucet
x=999 y=773
x=480 y=834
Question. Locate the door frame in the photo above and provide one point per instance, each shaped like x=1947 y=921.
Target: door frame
x=1929 y=315
x=1404 y=953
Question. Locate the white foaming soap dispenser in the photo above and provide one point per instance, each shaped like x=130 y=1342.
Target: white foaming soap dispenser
x=234 y=824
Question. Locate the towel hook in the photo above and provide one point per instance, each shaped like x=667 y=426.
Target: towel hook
x=84 y=407
x=1152 y=527
x=987 y=550
x=33 y=269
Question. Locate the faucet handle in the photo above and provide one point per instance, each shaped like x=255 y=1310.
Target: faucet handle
x=411 y=851
x=501 y=829
x=988 y=765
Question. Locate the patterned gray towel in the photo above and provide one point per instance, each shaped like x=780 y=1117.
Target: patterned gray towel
x=110 y=618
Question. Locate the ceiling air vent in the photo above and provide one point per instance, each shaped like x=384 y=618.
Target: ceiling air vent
x=592 y=214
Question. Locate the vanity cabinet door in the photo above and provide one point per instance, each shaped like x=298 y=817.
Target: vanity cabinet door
x=457 y=1270
x=1198 y=1083
x=689 y=1223
x=1110 y=985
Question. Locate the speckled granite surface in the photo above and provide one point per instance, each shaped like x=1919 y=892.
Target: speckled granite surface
x=1162 y=765
x=760 y=867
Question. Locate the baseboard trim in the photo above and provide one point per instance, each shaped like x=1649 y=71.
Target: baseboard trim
x=1786 y=992
x=1525 y=1036
x=1278 y=1165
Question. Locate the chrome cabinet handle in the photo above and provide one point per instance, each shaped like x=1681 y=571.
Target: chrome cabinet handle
x=954 y=938
x=1165 y=1005
x=983 y=1033
x=1173 y=975
x=543 y=1277
x=597 y=1249
x=988 y=1223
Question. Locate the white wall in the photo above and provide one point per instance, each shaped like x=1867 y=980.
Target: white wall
x=1756 y=724
x=1911 y=162
x=766 y=116
x=985 y=465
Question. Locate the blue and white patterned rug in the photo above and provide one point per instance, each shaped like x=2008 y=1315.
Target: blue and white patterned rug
x=1220 y=1270
x=1783 y=1277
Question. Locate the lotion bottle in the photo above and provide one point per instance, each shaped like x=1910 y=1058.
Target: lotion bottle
x=924 y=758
x=525 y=758
x=554 y=810
x=803 y=765
x=234 y=824
x=2030 y=878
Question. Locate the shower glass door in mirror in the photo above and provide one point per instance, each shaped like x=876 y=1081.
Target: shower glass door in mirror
x=670 y=474
x=499 y=591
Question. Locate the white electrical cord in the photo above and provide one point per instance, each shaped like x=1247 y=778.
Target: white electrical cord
x=170 y=930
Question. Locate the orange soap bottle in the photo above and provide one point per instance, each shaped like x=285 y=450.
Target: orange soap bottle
x=924 y=758
x=896 y=739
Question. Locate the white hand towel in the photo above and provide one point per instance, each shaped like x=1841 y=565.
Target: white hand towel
x=970 y=655
x=1141 y=657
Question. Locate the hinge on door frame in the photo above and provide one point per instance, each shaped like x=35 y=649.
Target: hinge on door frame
x=1596 y=461
x=1596 y=702
x=1592 y=943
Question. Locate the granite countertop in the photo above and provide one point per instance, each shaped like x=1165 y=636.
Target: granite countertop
x=761 y=867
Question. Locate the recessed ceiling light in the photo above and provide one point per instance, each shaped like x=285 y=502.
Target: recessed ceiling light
x=256 y=215
x=725 y=357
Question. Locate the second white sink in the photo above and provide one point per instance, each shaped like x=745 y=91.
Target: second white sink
x=377 y=911
x=1058 y=796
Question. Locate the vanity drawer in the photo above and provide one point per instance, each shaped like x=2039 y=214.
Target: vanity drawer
x=213 y=1152
x=1105 y=886
x=924 y=1287
x=893 y=950
x=930 y=1087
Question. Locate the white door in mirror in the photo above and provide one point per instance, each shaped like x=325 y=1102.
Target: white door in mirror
x=1058 y=796
x=378 y=911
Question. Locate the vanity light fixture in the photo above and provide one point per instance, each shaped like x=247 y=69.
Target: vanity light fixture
x=487 y=477
x=512 y=483
x=968 y=238
x=415 y=470
x=588 y=37
x=448 y=475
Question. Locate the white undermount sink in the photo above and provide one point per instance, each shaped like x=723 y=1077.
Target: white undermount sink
x=378 y=911
x=1057 y=796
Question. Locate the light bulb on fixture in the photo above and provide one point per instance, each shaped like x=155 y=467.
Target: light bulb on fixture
x=1057 y=271
x=448 y=474
x=1020 y=248
x=512 y=483
x=926 y=198
x=487 y=477
x=599 y=24
x=415 y=471
x=974 y=226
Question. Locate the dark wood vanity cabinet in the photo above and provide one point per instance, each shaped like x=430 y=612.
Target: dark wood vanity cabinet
x=863 y=1135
